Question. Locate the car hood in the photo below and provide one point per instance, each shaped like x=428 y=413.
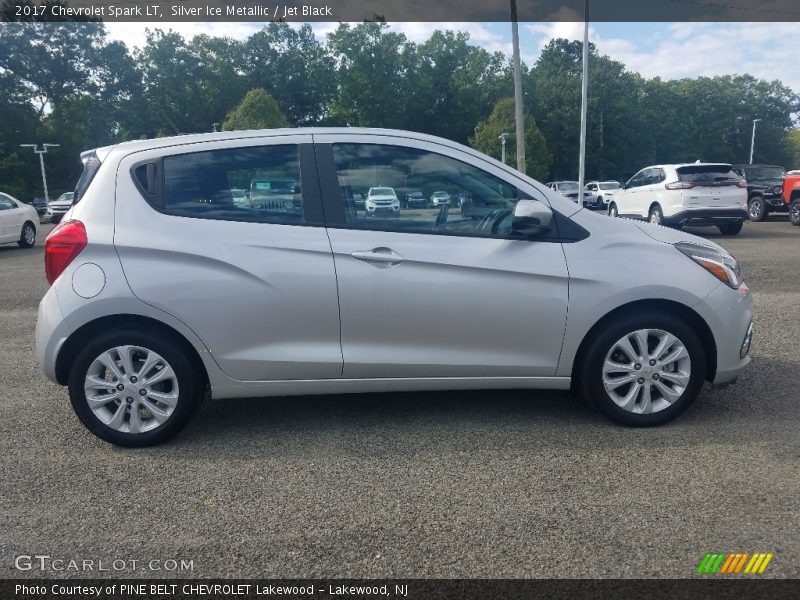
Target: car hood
x=668 y=235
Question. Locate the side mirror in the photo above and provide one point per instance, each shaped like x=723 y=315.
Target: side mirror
x=531 y=218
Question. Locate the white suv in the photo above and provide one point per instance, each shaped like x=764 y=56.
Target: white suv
x=382 y=200
x=686 y=194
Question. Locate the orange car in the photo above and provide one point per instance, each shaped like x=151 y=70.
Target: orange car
x=791 y=195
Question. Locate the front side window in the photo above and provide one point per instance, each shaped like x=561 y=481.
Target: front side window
x=456 y=198
x=258 y=184
x=637 y=179
x=6 y=203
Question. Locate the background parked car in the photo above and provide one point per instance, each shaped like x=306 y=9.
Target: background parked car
x=19 y=222
x=382 y=201
x=415 y=199
x=58 y=207
x=439 y=199
x=602 y=192
x=569 y=189
x=764 y=189
x=791 y=196
x=40 y=204
x=685 y=194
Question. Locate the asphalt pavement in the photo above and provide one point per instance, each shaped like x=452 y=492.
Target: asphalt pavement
x=486 y=484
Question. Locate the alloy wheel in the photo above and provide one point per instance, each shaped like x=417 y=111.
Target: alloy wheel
x=29 y=234
x=646 y=371
x=131 y=389
x=755 y=209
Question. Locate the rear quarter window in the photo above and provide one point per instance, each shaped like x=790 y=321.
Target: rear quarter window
x=91 y=164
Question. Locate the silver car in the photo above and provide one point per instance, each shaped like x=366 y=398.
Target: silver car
x=164 y=288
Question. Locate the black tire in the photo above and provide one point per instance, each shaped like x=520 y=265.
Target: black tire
x=189 y=394
x=757 y=209
x=731 y=228
x=613 y=211
x=28 y=231
x=599 y=203
x=656 y=215
x=794 y=212
x=591 y=377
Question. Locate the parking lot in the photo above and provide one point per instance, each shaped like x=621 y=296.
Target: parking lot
x=461 y=484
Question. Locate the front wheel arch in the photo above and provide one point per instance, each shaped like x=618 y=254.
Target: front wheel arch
x=669 y=306
x=84 y=334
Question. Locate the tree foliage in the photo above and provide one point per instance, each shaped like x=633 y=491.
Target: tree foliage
x=258 y=110
x=487 y=139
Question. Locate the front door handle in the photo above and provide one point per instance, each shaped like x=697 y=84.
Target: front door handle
x=379 y=257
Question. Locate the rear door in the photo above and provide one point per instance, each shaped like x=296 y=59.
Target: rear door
x=713 y=185
x=434 y=292
x=256 y=282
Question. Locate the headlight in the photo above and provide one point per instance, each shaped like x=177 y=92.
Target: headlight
x=720 y=264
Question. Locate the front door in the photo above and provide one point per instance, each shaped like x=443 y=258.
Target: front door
x=438 y=292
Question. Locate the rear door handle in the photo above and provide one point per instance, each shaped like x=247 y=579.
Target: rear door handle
x=379 y=257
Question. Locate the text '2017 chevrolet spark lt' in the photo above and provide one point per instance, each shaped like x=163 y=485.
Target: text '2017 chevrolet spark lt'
x=166 y=284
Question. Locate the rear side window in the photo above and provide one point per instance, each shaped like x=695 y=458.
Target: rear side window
x=91 y=164
x=708 y=175
x=259 y=184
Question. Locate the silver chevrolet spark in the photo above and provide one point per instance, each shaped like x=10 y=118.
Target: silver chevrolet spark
x=241 y=264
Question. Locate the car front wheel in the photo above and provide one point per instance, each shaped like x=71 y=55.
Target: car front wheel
x=656 y=215
x=612 y=210
x=133 y=388
x=644 y=369
x=27 y=237
x=794 y=213
x=757 y=209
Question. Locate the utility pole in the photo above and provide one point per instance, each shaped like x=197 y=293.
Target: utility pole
x=518 y=112
x=584 y=104
x=503 y=137
x=753 y=140
x=41 y=154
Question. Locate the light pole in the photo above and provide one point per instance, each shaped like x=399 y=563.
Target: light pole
x=41 y=154
x=753 y=140
x=584 y=94
x=503 y=137
x=518 y=111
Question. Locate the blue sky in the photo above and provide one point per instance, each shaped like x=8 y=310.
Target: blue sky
x=667 y=50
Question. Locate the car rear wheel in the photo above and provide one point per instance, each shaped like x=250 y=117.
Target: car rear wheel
x=27 y=237
x=644 y=369
x=656 y=215
x=133 y=388
x=731 y=228
x=612 y=210
x=794 y=212
x=757 y=209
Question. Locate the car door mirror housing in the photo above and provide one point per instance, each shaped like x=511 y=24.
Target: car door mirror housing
x=531 y=218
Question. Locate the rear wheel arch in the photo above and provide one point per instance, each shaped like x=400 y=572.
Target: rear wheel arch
x=89 y=331
x=647 y=307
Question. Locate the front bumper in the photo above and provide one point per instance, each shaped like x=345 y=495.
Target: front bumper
x=707 y=216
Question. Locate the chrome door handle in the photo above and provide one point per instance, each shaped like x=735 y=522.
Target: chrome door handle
x=380 y=257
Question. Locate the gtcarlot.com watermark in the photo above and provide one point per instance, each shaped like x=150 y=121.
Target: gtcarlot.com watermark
x=45 y=562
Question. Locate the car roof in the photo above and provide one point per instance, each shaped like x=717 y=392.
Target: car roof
x=194 y=138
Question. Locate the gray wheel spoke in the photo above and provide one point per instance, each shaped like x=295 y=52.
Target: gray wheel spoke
x=676 y=354
x=681 y=379
x=125 y=356
x=102 y=399
x=162 y=375
x=168 y=399
x=663 y=345
x=109 y=363
x=159 y=414
x=119 y=416
x=630 y=398
x=135 y=421
x=614 y=383
x=611 y=366
x=667 y=392
x=647 y=405
x=627 y=348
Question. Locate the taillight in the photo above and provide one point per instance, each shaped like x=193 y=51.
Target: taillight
x=679 y=185
x=61 y=247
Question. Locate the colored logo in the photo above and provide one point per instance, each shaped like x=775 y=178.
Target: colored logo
x=734 y=562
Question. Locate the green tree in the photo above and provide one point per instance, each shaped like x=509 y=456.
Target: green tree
x=537 y=157
x=258 y=110
x=793 y=142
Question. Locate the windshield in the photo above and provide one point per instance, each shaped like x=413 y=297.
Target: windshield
x=764 y=173
x=609 y=185
x=568 y=186
x=382 y=191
